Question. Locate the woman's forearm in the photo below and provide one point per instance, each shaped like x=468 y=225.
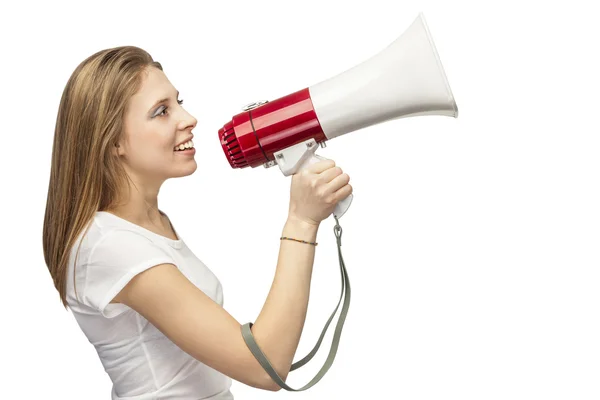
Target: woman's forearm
x=278 y=327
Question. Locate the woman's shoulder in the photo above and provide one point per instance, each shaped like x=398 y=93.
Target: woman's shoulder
x=111 y=252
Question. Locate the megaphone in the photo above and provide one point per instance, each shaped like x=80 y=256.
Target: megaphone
x=405 y=79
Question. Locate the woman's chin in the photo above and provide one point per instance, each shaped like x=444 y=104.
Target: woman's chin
x=188 y=170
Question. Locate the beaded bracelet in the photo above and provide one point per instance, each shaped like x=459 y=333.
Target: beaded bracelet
x=298 y=240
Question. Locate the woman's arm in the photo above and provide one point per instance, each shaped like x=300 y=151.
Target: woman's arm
x=206 y=331
x=278 y=328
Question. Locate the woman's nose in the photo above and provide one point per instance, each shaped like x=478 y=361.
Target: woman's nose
x=187 y=121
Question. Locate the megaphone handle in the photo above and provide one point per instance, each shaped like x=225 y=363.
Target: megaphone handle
x=262 y=359
x=342 y=206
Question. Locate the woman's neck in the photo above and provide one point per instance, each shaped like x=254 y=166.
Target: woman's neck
x=139 y=205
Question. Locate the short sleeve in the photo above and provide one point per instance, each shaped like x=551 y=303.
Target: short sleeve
x=115 y=259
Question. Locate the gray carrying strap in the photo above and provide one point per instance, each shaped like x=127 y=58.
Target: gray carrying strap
x=262 y=359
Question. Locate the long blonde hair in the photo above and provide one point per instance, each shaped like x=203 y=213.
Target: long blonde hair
x=85 y=171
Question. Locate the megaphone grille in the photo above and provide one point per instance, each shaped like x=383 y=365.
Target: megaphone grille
x=253 y=136
x=231 y=147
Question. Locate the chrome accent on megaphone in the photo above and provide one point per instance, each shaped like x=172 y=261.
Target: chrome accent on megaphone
x=254 y=104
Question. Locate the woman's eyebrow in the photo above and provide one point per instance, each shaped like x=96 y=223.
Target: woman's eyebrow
x=163 y=100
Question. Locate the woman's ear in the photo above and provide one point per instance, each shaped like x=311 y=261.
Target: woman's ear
x=117 y=149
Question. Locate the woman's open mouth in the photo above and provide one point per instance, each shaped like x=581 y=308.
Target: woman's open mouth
x=185 y=148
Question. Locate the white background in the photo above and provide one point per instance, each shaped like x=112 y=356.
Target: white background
x=471 y=244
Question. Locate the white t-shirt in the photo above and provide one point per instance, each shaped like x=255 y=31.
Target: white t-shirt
x=141 y=362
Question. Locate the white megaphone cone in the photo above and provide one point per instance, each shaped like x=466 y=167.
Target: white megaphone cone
x=405 y=79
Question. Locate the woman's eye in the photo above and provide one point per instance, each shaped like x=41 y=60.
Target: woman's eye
x=161 y=111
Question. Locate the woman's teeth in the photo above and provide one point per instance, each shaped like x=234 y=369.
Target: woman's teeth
x=186 y=145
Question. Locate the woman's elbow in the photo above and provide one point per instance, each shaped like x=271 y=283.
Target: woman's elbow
x=272 y=387
x=269 y=384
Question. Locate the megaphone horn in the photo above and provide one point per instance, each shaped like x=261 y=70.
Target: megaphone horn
x=405 y=79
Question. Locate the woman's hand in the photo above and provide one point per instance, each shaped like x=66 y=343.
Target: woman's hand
x=316 y=190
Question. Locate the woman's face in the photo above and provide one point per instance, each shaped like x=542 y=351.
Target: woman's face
x=155 y=123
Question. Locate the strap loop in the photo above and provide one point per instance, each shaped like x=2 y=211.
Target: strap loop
x=262 y=359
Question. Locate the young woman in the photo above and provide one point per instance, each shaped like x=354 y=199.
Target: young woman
x=150 y=307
